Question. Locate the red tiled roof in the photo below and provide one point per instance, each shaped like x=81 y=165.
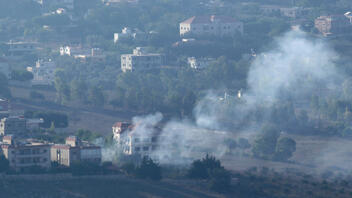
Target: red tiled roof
x=209 y=19
x=121 y=124
x=72 y=138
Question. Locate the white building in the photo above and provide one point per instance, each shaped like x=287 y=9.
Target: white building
x=79 y=52
x=290 y=12
x=5 y=67
x=349 y=16
x=128 y=33
x=211 y=25
x=118 y=2
x=140 y=60
x=43 y=72
x=199 y=63
x=134 y=141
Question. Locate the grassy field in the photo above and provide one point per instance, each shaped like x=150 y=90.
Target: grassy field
x=97 y=187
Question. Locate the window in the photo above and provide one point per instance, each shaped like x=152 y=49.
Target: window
x=145 y=148
x=154 y=139
x=36 y=159
x=137 y=149
x=136 y=140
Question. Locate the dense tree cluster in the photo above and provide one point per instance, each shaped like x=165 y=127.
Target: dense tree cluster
x=210 y=168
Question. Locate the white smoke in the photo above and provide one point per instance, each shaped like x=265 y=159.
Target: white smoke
x=295 y=68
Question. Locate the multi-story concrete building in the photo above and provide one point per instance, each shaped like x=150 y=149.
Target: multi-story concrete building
x=79 y=52
x=140 y=60
x=133 y=141
x=4 y=108
x=43 y=72
x=12 y=125
x=75 y=151
x=19 y=49
x=290 y=12
x=334 y=24
x=199 y=63
x=34 y=123
x=218 y=26
x=23 y=154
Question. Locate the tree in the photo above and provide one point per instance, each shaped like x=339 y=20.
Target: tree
x=79 y=90
x=265 y=143
x=59 y=120
x=200 y=168
x=210 y=168
x=285 y=148
x=87 y=135
x=96 y=96
x=243 y=144
x=36 y=95
x=62 y=90
x=149 y=169
x=220 y=180
x=230 y=144
x=4 y=164
x=4 y=89
x=21 y=75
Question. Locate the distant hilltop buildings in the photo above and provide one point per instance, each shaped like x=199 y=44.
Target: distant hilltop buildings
x=213 y=25
x=43 y=72
x=133 y=34
x=69 y=4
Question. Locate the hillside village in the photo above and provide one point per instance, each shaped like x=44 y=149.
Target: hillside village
x=101 y=87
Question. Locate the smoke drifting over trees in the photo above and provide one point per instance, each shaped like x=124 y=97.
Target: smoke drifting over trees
x=296 y=67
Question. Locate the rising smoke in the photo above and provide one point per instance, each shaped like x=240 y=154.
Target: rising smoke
x=295 y=68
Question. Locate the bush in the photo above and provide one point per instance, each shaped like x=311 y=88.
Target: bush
x=148 y=170
x=200 y=168
x=129 y=168
x=85 y=168
x=60 y=120
x=210 y=168
x=36 y=95
x=220 y=180
x=4 y=164
x=21 y=75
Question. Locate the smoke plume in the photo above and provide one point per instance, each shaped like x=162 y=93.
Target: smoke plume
x=296 y=67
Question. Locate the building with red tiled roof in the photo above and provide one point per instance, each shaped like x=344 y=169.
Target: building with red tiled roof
x=211 y=25
x=137 y=139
